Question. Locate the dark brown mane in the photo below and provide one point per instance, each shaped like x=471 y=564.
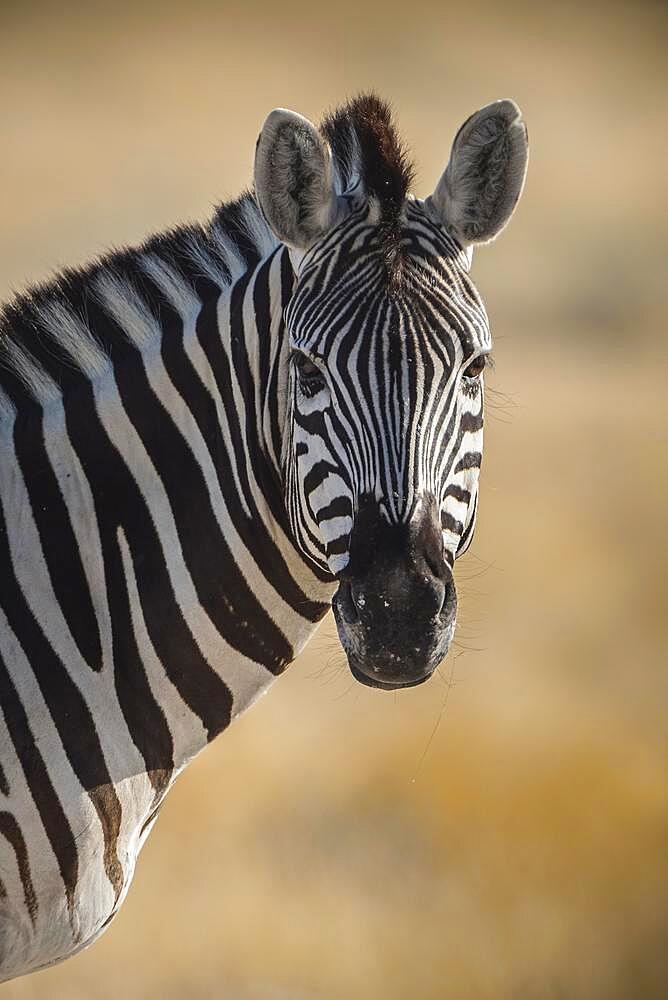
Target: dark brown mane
x=366 y=147
x=364 y=141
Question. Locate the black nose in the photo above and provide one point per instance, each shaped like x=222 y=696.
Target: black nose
x=396 y=602
x=397 y=592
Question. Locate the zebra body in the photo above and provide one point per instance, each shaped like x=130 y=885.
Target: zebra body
x=179 y=503
x=115 y=704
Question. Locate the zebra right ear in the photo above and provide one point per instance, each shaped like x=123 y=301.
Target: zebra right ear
x=293 y=179
x=483 y=180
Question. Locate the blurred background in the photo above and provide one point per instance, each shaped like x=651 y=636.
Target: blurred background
x=502 y=832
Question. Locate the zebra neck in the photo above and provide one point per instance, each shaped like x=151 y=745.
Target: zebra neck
x=154 y=587
x=224 y=352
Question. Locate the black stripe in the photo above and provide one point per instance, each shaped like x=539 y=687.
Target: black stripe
x=118 y=502
x=339 y=507
x=58 y=541
x=55 y=822
x=452 y=490
x=450 y=523
x=252 y=530
x=69 y=711
x=338 y=546
x=270 y=484
x=471 y=422
x=221 y=587
x=271 y=389
x=143 y=715
x=471 y=460
x=316 y=475
x=10 y=829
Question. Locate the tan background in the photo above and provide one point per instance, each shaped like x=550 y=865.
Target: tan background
x=334 y=844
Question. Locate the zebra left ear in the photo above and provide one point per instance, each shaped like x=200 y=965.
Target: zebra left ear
x=293 y=179
x=483 y=180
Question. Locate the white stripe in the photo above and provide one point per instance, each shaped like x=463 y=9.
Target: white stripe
x=36 y=380
x=74 y=337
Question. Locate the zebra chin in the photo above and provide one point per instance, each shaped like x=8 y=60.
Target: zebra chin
x=388 y=664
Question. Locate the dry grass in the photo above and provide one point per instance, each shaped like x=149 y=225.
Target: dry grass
x=501 y=832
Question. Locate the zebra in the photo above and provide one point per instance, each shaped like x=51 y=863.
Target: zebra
x=208 y=441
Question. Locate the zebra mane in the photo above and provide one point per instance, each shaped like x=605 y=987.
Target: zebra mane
x=47 y=339
x=367 y=151
x=366 y=147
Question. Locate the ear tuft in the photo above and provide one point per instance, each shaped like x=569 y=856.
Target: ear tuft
x=483 y=180
x=293 y=179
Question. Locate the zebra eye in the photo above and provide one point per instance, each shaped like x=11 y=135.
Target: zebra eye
x=476 y=367
x=311 y=379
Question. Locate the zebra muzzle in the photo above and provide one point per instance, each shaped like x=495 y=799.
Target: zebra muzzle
x=396 y=604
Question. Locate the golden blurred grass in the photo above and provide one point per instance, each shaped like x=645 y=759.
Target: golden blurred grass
x=501 y=832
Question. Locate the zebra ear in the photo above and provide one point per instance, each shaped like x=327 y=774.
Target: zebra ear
x=483 y=180
x=293 y=179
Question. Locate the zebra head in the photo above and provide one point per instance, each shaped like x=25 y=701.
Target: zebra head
x=388 y=339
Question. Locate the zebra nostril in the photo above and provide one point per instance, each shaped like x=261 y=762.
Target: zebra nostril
x=436 y=565
x=434 y=595
x=435 y=590
x=346 y=604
